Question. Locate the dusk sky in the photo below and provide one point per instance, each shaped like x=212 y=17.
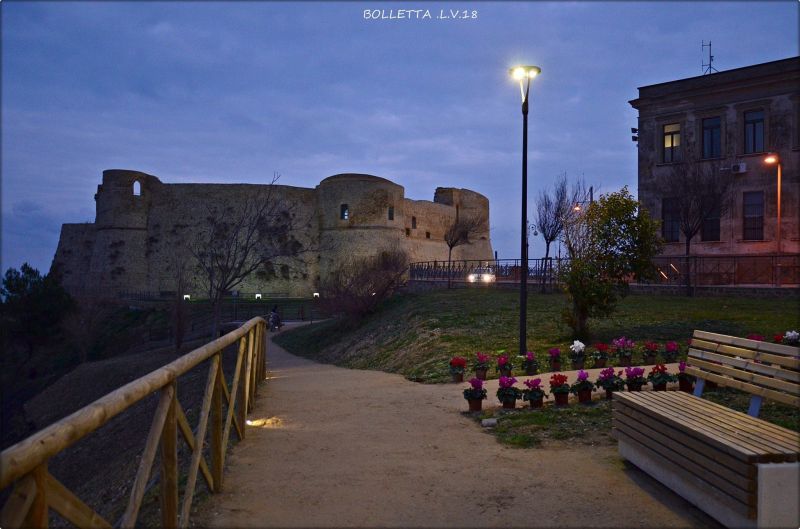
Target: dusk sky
x=232 y=92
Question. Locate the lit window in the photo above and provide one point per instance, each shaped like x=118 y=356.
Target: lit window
x=712 y=137
x=753 y=216
x=391 y=212
x=754 y=131
x=344 y=212
x=670 y=219
x=137 y=189
x=672 y=143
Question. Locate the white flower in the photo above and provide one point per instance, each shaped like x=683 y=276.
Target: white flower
x=577 y=346
x=791 y=337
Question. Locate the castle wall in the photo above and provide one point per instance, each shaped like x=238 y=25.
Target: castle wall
x=139 y=242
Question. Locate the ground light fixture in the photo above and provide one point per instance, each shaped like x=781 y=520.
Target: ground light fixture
x=773 y=159
x=187 y=297
x=524 y=75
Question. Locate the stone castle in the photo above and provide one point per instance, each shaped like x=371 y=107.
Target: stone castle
x=141 y=223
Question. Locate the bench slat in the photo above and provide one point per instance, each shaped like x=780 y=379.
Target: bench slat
x=703 y=427
x=748 y=364
x=746 y=376
x=730 y=447
x=705 y=459
x=791 y=363
x=774 y=348
x=744 y=386
x=735 y=465
x=734 y=504
x=784 y=449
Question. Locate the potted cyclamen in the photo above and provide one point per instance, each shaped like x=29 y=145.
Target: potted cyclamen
x=634 y=378
x=577 y=353
x=457 y=366
x=530 y=364
x=534 y=392
x=610 y=381
x=507 y=393
x=475 y=394
x=481 y=366
x=504 y=366
x=555 y=359
x=582 y=387
x=791 y=338
x=685 y=380
x=670 y=352
x=659 y=377
x=560 y=389
x=650 y=350
x=624 y=349
x=600 y=355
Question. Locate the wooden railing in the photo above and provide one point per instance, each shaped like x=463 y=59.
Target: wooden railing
x=36 y=491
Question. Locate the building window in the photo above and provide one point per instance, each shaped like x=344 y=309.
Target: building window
x=753 y=216
x=670 y=219
x=408 y=232
x=709 y=231
x=344 y=212
x=413 y=223
x=672 y=143
x=391 y=212
x=754 y=131
x=427 y=235
x=137 y=189
x=712 y=129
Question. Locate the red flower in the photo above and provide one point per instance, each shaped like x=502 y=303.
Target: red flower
x=457 y=361
x=651 y=346
x=756 y=337
x=658 y=368
x=558 y=380
x=502 y=360
x=601 y=347
x=778 y=338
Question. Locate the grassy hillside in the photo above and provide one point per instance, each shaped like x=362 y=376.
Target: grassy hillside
x=417 y=334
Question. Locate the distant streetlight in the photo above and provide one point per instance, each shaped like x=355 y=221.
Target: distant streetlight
x=773 y=158
x=524 y=74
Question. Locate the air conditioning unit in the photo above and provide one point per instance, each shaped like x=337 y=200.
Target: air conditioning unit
x=739 y=168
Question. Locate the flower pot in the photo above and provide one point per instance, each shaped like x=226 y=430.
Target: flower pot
x=510 y=404
x=505 y=371
x=530 y=370
x=480 y=374
x=600 y=362
x=475 y=404
x=660 y=387
x=577 y=364
x=625 y=361
x=536 y=403
x=634 y=387
x=555 y=365
x=585 y=396
x=649 y=359
x=609 y=394
x=457 y=377
x=684 y=384
x=562 y=399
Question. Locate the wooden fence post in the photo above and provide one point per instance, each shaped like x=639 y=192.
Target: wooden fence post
x=217 y=449
x=38 y=514
x=169 y=465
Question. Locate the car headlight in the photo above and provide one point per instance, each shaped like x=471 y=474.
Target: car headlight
x=487 y=278
x=471 y=278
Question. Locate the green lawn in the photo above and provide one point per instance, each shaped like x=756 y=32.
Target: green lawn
x=417 y=334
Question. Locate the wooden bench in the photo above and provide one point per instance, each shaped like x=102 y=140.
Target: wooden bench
x=740 y=469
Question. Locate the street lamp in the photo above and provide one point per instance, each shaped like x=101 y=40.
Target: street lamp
x=524 y=74
x=773 y=158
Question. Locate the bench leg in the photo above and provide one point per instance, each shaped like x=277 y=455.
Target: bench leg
x=778 y=491
x=755 y=406
x=699 y=384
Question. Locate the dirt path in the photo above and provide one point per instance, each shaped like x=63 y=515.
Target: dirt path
x=334 y=447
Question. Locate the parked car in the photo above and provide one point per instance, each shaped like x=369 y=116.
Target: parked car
x=482 y=275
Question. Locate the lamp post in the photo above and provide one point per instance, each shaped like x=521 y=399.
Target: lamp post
x=524 y=74
x=773 y=158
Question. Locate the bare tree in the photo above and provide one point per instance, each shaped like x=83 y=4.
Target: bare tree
x=460 y=232
x=551 y=212
x=179 y=267
x=233 y=242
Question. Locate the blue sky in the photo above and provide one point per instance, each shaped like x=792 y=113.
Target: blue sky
x=232 y=92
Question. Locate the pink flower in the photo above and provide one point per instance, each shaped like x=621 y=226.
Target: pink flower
x=582 y=375
x=555 y=352
x=507 y=382
x=756 y=337
x=682 y=366
x=533 y=384
x=482 y=358
x=476 y=383
x=530 y=356
x=671 y=347
x=607 y=373
x=503 y=360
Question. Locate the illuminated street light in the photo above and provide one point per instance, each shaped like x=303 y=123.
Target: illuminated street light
x=773 y=158
x=524 y=74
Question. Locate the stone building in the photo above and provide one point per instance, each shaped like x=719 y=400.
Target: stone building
x=142 y=225
x=726 y=122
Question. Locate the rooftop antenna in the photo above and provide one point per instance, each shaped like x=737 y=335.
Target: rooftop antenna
x=707 y=67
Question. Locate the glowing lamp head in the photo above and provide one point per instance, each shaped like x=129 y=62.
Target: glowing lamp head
x=519 y=73
x=577 y=207
x=771 y=158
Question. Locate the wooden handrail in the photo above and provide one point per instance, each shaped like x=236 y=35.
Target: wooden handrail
x=29 y=457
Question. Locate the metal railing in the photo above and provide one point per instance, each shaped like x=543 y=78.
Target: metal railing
x=505 y=270
x=36 y=492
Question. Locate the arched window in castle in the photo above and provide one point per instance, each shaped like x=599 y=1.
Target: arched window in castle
x=391 y=212
x=413 y=223
x=137 y=188
x=344 y=212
